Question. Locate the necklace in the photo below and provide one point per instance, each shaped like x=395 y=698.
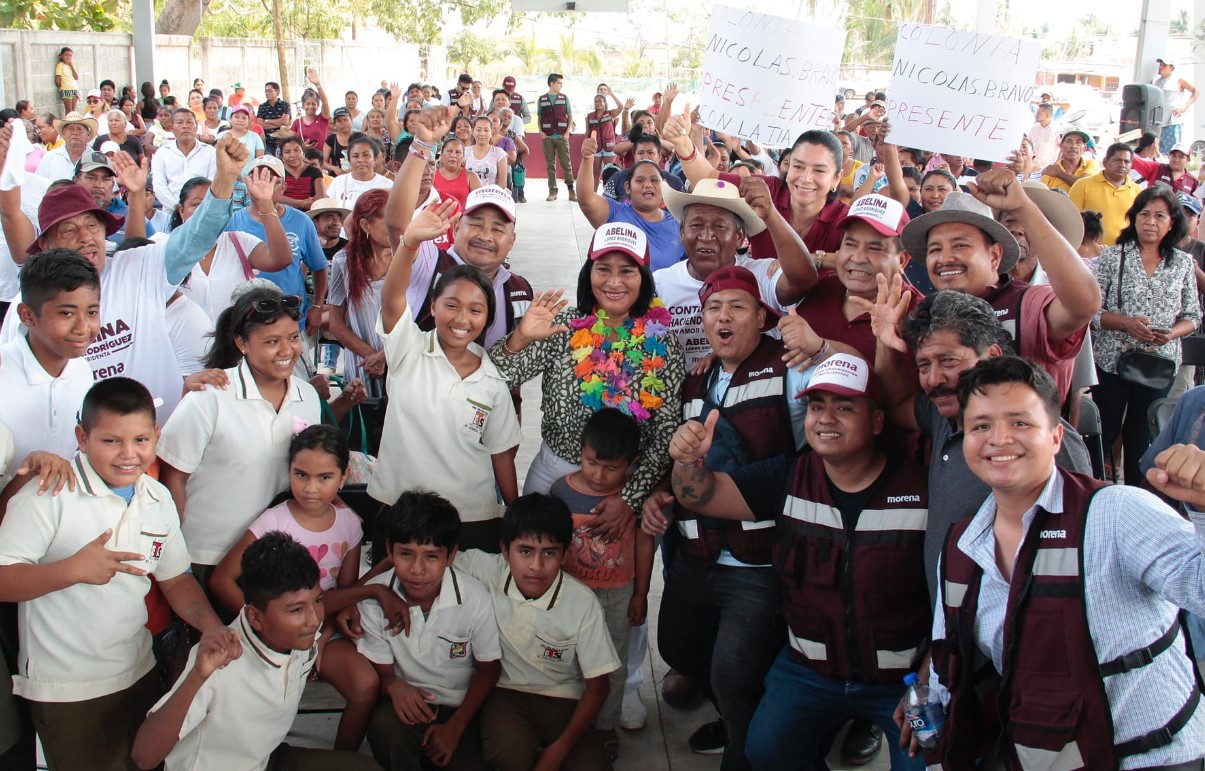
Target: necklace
x=621 y=367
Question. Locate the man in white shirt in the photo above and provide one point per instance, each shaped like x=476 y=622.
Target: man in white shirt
x=177 y=162
x=77 y=132
x=1045 y=137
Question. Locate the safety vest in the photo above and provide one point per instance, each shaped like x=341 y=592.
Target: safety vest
x=516 y=104
x=1048 y=708
x=755 y=404
x=856 y=600
x=516 y=290
x=603 y=127
x=1006 y=301
x=554 y=114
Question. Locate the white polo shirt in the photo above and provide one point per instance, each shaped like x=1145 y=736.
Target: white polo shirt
x=212 y=290
x=57 y=164
x=235 y=447
x=242 y=713
x=8 y=456
x=39 y=409
x=88 y=641
x=441 y=429
x=133 y=340
x=171 y=169
x=552 y=644
x=680 y=292
x=438 y=653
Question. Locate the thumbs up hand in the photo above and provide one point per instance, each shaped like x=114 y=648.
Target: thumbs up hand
x=693 y=439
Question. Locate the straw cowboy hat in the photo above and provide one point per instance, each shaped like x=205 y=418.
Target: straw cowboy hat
x=75 y=118
x=969 y=210
x=714 y=192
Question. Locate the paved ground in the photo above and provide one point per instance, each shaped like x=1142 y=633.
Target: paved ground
x=552 y=242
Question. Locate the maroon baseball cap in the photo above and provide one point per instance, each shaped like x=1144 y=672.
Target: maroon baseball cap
x=736 y=277
x=65 y=202
x=509 y=81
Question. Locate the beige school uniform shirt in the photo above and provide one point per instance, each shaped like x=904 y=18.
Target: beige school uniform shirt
x=551 y=644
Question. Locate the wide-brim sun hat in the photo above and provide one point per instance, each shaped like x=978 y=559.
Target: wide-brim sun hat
x=967 y=209
x=714 y=192
x=65 y=202
x=1058 y=210
x=75 y=118
x=324 y=205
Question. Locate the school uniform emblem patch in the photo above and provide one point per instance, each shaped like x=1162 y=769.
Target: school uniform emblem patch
x=553 y=654
x=458 y=650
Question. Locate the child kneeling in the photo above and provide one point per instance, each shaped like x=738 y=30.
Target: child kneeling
x=556 y=652
x=437 y=675
x=237 y=699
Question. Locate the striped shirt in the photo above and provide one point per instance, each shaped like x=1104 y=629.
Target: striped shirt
x=1135 y=579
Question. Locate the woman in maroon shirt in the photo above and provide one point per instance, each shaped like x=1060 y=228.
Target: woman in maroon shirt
x=805 y=194
x=303 y=183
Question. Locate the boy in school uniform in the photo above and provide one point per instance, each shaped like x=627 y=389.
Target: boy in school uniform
x=43 y=373
x=78 y=564
x=619 y=571
x=556 y=652
x=238 y=696
x=435 y=677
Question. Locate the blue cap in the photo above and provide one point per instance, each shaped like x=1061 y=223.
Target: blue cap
x=910 y=678
x=1190 y=202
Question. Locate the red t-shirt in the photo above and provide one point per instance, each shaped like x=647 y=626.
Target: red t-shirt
x=825 y=234
x=313 y=134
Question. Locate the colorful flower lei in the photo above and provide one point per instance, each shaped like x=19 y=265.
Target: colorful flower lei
x=621 y=367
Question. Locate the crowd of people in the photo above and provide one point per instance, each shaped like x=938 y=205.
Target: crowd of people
x=840 y=386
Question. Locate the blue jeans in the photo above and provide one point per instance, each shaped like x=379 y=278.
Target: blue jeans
x=721 y=626
x=801 y=710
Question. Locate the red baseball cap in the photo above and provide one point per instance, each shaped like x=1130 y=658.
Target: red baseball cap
x=736 y=277
x=508 y=81
x=621 y=237
x=65 y=202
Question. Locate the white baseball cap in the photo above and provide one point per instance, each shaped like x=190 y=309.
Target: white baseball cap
x=491 y=195
x=846 y=375
x=621 y=237
x=1181 y=147
x=885 y=215
x=271 y=163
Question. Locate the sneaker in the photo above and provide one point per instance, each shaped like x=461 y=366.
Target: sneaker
x=551 y=196
x=633 y=714
x=572 y=194
x=710 y=739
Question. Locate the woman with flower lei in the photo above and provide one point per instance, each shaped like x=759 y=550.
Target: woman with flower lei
x=614 y=350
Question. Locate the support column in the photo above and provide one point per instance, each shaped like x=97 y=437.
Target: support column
x=144 y=43
x=985 y=17
x=1153 y=30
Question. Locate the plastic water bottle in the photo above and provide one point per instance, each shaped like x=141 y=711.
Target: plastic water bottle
x=924 y=711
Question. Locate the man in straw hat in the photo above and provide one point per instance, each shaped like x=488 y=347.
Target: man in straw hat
x=967 y=250
x=135 y=286
x=77 y=132
x=713 y=220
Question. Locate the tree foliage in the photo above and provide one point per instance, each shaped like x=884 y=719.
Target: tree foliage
x=72 y=15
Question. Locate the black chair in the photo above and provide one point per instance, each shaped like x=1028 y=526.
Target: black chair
x=1090 y=431
x=1158 y=415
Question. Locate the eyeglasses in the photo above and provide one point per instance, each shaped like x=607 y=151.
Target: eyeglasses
x=289 y=302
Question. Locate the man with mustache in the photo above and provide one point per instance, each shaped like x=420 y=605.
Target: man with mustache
x=947 y=334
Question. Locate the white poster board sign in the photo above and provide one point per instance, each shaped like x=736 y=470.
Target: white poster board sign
x=961 y=92
x=767 y=78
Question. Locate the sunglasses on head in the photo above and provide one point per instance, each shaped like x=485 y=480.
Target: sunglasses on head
x=289 y=302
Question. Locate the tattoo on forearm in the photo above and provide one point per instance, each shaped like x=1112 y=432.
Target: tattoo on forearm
x=695 y=485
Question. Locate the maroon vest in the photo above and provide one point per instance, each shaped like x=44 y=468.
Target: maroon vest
x=517 y=291
x=554 y=114
x=756 y=406
x=1006 y=300
x=603 y=127
x=856 y=600
x=1050 y=701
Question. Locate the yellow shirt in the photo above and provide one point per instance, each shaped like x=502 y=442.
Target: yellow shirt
x=66 y=79
x=1087 y=167
x=848 y=179
x=1095 y=193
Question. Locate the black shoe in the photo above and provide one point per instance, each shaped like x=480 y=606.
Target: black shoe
x=863 y=742
x=710 y=739
x=679 y=691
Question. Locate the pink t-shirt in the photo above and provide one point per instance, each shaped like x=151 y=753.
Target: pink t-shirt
x=328 y=548
x=1058 y=360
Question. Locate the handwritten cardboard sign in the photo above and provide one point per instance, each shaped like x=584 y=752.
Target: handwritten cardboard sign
x=767 y=78
x=961 y=92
